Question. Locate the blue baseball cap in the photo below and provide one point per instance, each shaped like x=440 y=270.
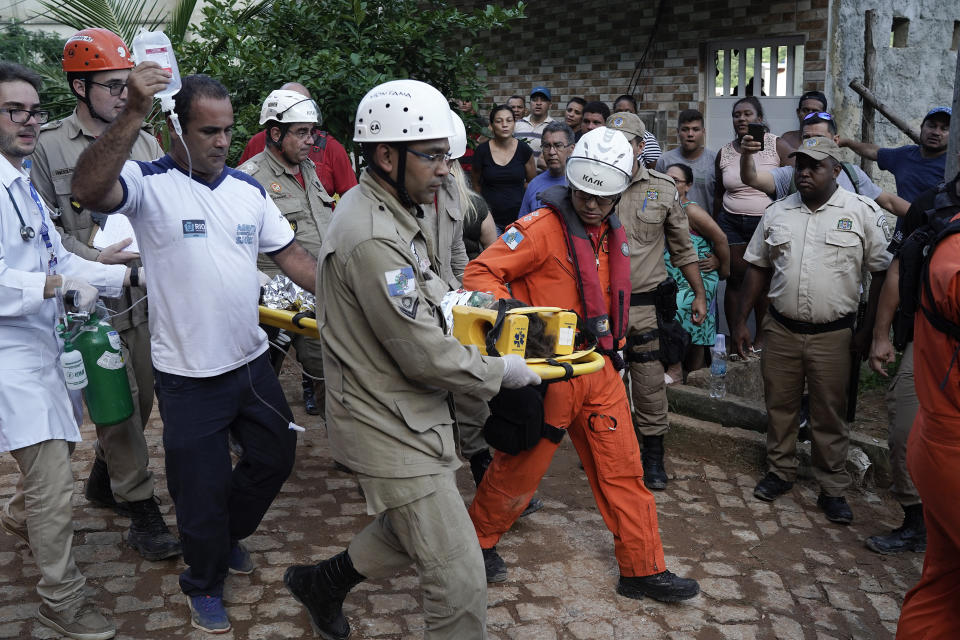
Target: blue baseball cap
x=937 y=110
x=542 y=90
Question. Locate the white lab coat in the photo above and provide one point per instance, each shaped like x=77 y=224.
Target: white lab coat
x=34 y=405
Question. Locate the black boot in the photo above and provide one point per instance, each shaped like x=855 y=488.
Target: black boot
x=654 y=475
x=910 y=536
x=98 y=489
x=310 y=397
x=149 y=534
x=664 y=586
x=479 y=463
x=321 y=589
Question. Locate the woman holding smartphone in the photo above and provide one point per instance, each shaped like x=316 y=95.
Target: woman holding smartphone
x=737 y=207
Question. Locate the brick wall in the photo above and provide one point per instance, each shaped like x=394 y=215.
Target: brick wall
x=590 y=48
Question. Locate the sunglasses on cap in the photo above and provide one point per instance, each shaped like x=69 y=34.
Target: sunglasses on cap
x=823 y=115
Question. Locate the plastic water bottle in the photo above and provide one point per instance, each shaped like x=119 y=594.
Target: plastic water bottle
x=718 y=367
x=154 y=46
x=74 y=373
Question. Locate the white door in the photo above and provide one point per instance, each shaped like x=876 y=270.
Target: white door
x=731 y=67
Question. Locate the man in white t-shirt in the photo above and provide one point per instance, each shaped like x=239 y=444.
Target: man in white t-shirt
x=200 y=226
x=530 y=128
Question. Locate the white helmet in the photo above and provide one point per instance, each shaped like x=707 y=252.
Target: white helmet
x=601 y=163
x=458 y=141
x=289 y=106
x=403 y=111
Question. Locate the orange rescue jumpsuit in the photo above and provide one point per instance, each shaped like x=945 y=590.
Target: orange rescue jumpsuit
x=931 y=609
x=593 y=409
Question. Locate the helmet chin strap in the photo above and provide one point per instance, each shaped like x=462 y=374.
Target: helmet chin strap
x=399 y=184
x=85 y=99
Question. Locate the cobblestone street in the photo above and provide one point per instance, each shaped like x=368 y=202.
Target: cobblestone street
x=766 y=571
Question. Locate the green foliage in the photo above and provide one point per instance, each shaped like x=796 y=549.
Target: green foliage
x=123 y=17
x=339 y=49
x=29 y=47
x=41 y=52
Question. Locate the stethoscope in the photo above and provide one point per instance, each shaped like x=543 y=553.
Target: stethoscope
x=26 y=232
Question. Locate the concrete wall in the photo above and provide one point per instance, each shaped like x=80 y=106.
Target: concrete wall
x=590 y=48
x=910 y=80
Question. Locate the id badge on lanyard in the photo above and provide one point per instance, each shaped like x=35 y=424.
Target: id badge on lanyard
x=44 y=231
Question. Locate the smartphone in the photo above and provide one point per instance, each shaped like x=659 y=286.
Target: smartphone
x=756 y=131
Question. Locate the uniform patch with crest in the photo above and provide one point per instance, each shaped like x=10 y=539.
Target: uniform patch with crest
x=275 y=187
x=400 y=282
x=653 y=194
x=408 y=306
x=75 y=206
x=625 y=249
x=512 y=239
x=845 y=224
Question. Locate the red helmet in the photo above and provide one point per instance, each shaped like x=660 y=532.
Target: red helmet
x=95 y=50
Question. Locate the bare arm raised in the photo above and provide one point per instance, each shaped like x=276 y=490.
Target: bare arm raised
x=759 y=180
x=863 y=149
x=95 y=179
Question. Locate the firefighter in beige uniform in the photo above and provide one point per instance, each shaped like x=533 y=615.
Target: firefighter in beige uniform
x=97 y=63
x=811 y=247
x=651 y=214
x=390 y=371
x=289 y=119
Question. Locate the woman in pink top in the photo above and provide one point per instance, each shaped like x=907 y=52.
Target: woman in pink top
x=737 y=207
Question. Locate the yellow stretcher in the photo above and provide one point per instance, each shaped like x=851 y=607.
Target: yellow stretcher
x=470 y=326
x=292 y=321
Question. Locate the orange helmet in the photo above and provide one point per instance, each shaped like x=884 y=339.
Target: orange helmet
x=95 y=50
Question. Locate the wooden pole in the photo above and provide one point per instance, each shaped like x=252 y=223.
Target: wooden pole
x=953 y=148
x=869 y=72
x=868 y=97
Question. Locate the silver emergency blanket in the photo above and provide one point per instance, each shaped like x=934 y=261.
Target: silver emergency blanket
x=282 y=294
x=463 y=297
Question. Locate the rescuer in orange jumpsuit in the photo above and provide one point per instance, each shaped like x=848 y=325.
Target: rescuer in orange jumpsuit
x=930 y=610
x=574 y=254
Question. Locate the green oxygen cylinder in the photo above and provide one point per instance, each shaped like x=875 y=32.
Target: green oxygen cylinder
x=107 y=394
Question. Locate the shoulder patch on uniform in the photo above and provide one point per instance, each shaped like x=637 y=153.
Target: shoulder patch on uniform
x=56 y=124
x=884 y=225
x=400 y=282
x=249 y=167
x=512 y=238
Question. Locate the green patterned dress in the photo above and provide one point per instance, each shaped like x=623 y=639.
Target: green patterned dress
x=705 y=333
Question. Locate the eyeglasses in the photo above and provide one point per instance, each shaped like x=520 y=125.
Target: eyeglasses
x=602 y=201
x=433 y=158
x=22 y=116
x=302 y=134
x=115 y=88
x=556 y=147
x=823 y=115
